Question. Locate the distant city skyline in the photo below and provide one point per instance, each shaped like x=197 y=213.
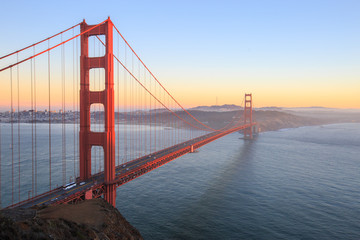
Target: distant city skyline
x=286 y=53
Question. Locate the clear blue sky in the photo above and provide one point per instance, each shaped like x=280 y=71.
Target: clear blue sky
x=287 y=53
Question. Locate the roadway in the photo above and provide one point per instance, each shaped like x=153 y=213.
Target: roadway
x=61 y=194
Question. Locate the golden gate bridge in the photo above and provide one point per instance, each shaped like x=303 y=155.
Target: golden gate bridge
x=82 y=115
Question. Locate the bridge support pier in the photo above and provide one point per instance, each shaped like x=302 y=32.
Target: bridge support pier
x=105 y=97
x=248 y=132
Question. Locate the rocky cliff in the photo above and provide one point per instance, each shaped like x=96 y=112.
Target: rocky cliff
x=91 y=219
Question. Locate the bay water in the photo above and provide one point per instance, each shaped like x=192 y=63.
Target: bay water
x=301 y=183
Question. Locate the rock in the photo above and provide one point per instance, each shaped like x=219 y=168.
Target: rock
x=91 y=219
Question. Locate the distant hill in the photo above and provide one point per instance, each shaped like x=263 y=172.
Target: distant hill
x=313 y=109
x=272 y=118
x=270 y=109
x=217 y=108
x=322 y=109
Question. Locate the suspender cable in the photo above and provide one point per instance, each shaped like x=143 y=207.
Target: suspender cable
x=132 y=75
x=77 y=98
x=125 y=110
x=149 y=116
x=64 y=110
x=166 y=132
x=163 y=122
x=156 y=98
x=74 y=114
x=32 y=129
x=160 y=83
x=0 y=165
x=18 y=115
x=63 y=135
x=161 y=131
x=118 y=106
x=12 y=138
x=49 y=111
x=209 y=128
x=35 y=142
x=139 y=116
x=131 y=110
x=155 y=120
x=136 y=126
x=146 y=111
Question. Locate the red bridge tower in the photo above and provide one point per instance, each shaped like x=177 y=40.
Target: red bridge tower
x=88 y=138
x=248 y=134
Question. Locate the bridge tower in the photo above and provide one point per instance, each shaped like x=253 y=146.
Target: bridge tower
x=88 y=138
x=248 y=133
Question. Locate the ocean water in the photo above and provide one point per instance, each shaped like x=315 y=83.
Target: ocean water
x=301 y=183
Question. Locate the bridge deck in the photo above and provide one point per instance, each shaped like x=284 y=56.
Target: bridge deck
x=124 y=173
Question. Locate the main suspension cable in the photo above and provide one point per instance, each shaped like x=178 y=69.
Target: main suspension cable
x=50 y=48
x=33 y=45
x=151 y=93
x=160 y=82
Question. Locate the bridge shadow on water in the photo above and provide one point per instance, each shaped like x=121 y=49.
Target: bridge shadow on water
x=204 y=219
